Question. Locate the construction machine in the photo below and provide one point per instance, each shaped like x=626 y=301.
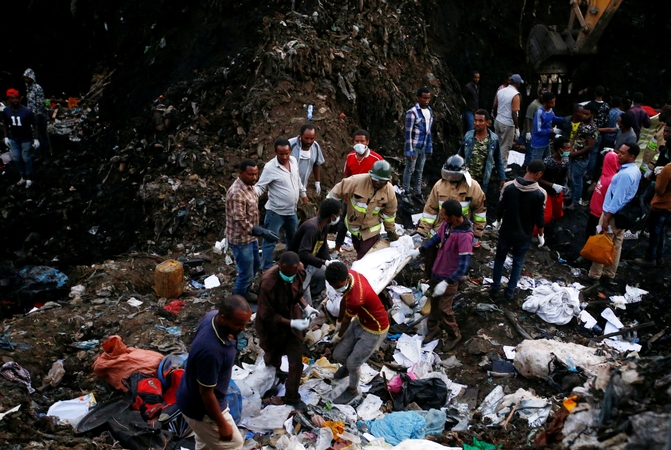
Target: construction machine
x=549 y=48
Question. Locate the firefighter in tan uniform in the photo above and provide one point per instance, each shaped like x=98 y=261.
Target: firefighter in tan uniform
x=371 y=203
x=456 y=184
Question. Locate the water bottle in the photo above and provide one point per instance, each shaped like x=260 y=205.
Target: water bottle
x=310 y=108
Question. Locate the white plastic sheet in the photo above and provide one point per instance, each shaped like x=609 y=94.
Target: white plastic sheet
x=554 y=304
x=70 y=412
x=270 y=418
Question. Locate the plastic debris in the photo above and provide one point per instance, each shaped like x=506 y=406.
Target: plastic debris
x=398 y=426
x=14 y=372
x=532 y=357
x=211 y=282
x=70 y=412
x=13 y=410
x=554 y=304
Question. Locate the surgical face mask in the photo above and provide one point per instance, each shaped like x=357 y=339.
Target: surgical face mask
x=360 y=149
x=334 y=222
x=305 y=154
x=342 y=289
x=286 y=278
x=565 y=154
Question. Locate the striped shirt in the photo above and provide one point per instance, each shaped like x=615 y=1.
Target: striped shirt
x=242 y=213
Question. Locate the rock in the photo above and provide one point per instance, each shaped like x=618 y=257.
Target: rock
x=478 y=346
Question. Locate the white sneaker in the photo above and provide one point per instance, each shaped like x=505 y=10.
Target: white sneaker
x=21 y=181
x=28 y=183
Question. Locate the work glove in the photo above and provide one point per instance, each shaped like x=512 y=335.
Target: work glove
x=337 y=338
x=328 y=262
x=496 y=225
x=440 y=289
x=392 y=236
x=558 y=188
x=541 y=240
x=556 y=130
x=658 y=170
x=528 y=136
x=300 y=324
x=318 y=187
x=414 y=253
x=36 y=144
x=517 y=133
x=310 y=312
x=7 y=142
x=268 y=235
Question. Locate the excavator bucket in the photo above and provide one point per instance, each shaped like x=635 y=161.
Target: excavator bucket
x=547 y=50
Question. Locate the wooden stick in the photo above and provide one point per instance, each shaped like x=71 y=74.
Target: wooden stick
x=510 y=416
x=521 y=331
x=623 y=331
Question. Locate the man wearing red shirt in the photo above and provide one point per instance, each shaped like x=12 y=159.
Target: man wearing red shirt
x=361 y=160
x=362 y=325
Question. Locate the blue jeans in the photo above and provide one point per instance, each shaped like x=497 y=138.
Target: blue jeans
x=577 y=172
x=248 y=262
x=518 y=250
x=469 y=117
x=657 y=224
x=536 y=153
x=274 y=222
x=591 y=165
x=413 y=172
x=22 y=156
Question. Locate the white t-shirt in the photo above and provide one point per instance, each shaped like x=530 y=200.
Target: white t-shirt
x=426 y=113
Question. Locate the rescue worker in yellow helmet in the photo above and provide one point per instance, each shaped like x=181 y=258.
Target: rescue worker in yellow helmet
x=455 y=184
x=371 y=204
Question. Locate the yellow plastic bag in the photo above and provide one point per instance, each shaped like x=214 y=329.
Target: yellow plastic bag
x=599 y=249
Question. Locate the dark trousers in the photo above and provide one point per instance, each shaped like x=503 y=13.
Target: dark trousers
x=441 y=310
x=592 y=222
x=362 y=247
x=518 y=250
x=292 y=346
x=658 y=221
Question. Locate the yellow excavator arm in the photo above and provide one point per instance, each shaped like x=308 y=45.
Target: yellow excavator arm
x=547 y=48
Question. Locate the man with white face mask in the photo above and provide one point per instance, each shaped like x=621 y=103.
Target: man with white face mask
x=361 y=160
x=362 y=325
x=309 y=243
x=309 y=155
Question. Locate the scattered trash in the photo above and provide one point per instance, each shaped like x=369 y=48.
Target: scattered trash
x=174 y=331
x=14 y=372
x=212 y=282
x=554 y=304
x=14 y=409
x=533 y=357
x=55 y=375
x=397 y=426
x=174 y=306
x=86 y=345
x=117 y=362
x=134 y=302
x=70 y=412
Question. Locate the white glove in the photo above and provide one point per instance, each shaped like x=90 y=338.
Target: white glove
x=541 y=240
x=328 y=262
x=440 y=289
x=558 y=188
x=556 y=130
x=496 y=225
x=300 y=324
x=414 y=253
x=658 y=170
x=7 y=142
x=528 y=136
x=310 y=312
x=517 y=133
x=36 y=144
x=318 y=187
x=337 y=338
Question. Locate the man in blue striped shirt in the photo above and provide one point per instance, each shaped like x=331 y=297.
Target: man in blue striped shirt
x=622 y=189
x=418 y=144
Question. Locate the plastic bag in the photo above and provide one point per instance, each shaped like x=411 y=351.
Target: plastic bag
x=324 y=439
x=70 y=412
x=428 y=393
x=118 y=362
x=398 y=426
x=599 y=249
x=271 y=417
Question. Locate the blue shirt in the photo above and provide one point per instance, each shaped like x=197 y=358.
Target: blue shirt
x=418 y=131
x=613 y=116
x=622 y=188
x=543 y=121
x=210 y=363
x=19 y=122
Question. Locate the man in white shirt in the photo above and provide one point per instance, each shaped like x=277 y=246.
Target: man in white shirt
x=309 y=155
x=507 y=107
x=281 y=181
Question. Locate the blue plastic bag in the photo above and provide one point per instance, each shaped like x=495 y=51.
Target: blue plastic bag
x=234 y=400
x=397 y=427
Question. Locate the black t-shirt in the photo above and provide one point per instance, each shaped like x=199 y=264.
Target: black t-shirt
x=20 y=122
x=310 y=243
x=555 y=172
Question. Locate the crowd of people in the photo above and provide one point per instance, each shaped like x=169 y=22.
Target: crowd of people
x=566 y=159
